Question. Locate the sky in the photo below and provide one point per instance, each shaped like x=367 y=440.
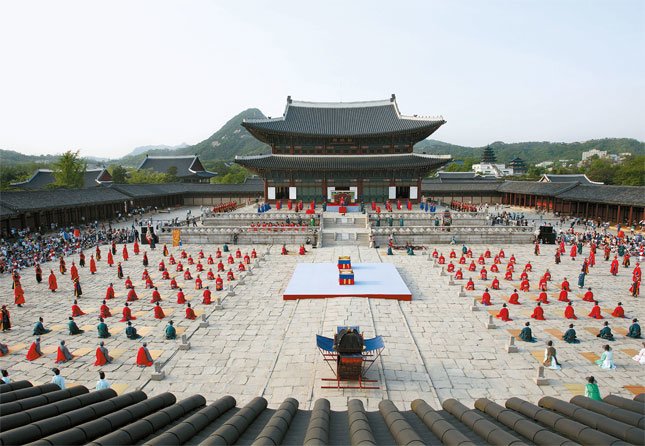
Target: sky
x=106 y=77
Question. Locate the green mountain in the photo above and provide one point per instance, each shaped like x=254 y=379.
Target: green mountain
x=534 y=152
x=230 y=140
x=9 y=157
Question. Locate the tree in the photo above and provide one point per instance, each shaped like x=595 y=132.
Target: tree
x=601 y=169
x=631 y=172
x=69 y=171
x=119 y=174
x=171 y=174
x=147 y=176
x=236 y=174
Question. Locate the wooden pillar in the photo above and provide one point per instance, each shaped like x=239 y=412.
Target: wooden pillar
x=324 y=187
x=266 y=189
x=618 y=219
x=631 y=209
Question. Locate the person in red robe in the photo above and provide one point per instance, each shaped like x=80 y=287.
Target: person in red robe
x=149 y=284
x=63 y=354
x=569 y=312
x=564 y=296
x=508 y=275
x=219 y=283
x=302 y=251
x=187 y=275
x=110 y=258
x=144 y=359
x=524 y=275
x=18 y=295
x=220 y=267
x=483 y=274
x=470 y=285
x=125 y=253
x=528 y=267
x=495 y=283
x=73 y=272
x=481 y=260
x=565 y=285
x=635 y=288
x=618 y=311
x=542 y=285
x=515 y=298
x=486 y=298
x=547 y=275
x=92 y=264
x=162 y=265
x=127 y=314
x=198 y=282
x=109 y=292
x=494 y=268
x=512 y=260
x=181 y=297
x=462 y=260
x=613 y=269
x=218 y=253
x=132 y=295
x=180 y=267
x=199 y=267
x=450 y=268
x=442 y=260
x=136 y=247
x=165 y=251
x=538 y=313
x=34 y=351
x=190 y=313
x=171 y=260
x=98 y=253
x=254 y=254
x=247 y=259
x=229 y=275
x=574 y=251
x=524 y=285
x=158 y=311
x=190 y=260
x=595 y=311
x=76 y=310
x=104 y=311
x=210 y=275
x=501 y=254
x=453 y=254
x=592 y=258
x=230 y=259
x=183 y=254
x=210 y=260
x=102 y=355
x=53 y=284
x=241 y=267
x=128 y=283
x=459 y=274
x=543 y=298
x=173 y=284
x=61 y=266
x=156 y=297
x=165 y=275
x=144 y=260
x=588 y=297
x=504 y=314
x=206 y=297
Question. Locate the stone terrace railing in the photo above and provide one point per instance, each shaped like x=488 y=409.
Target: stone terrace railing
x=245 y=219
x=204 y=235
x=461 y=234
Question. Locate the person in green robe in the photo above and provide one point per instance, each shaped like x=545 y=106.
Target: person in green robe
x=389 y=251
x=621 y=250
x=410 y=250
x=591 y=389
x=401 y=221
x=390 y=221
x=171 y=333
x=225 y=248
x=378 y=221
x=570 y=335
x=102 y=329
x=131 y=332
x=634 y=330
x=73 y=328
x=605 y=332
x=39 y=328
x=526 y=334
x=579 y=248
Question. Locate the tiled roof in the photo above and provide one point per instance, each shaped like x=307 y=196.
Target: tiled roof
x=457 y=187
x=6 y=212
x=44 y=177
x=462 y=176
x=77 y=416
x=567 y=178
x=343 y=119
x=24 y=201
x=340 y=163
x=623 y=195
x=187 y=166
x=535 y=188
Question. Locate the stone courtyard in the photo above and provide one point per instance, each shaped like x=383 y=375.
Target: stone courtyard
x=436 y=347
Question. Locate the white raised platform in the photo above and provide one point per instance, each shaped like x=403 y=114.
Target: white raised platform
x=372 y=280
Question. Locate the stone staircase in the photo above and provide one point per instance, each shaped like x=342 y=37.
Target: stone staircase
x=349 y=230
